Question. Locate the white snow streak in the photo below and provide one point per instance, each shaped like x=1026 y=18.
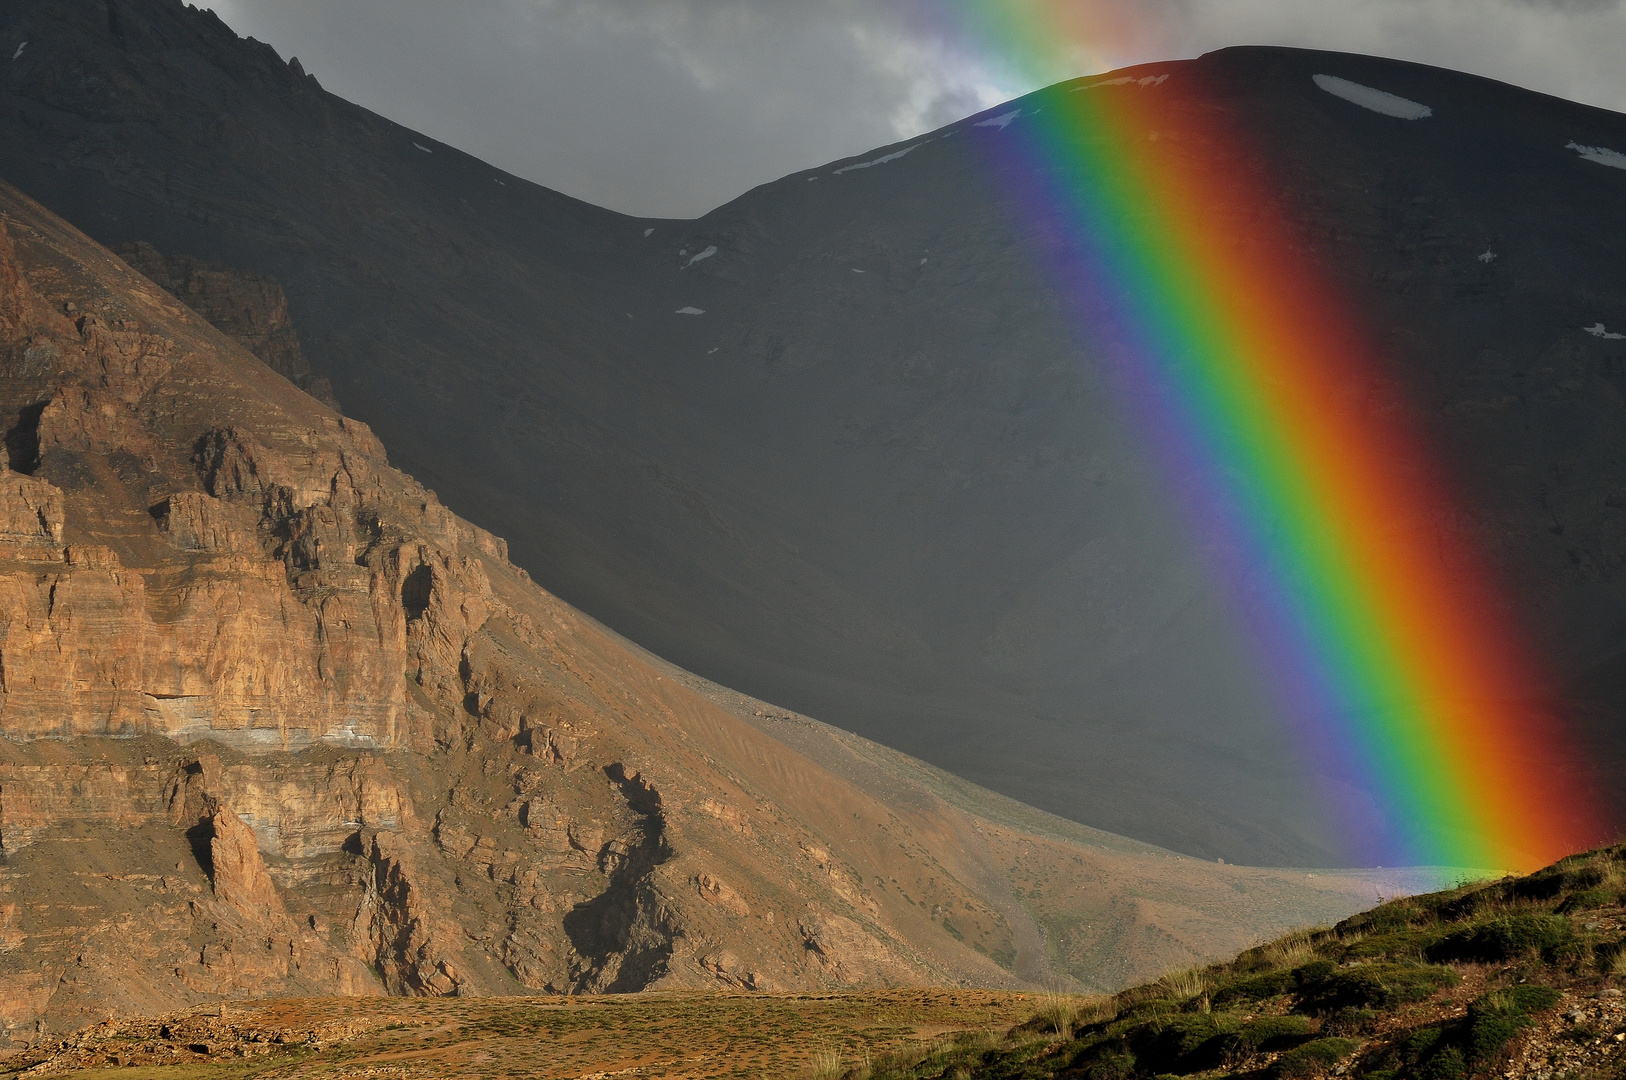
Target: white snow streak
x=425 y=149
x=1124 y=80
x=19 y=51
x=1378 y=101
x=1107 y=82
x=1598 y=331
x=1487 y=256
x=882 y=160
x=1601 y=154
x=689 y=311
x=1001 y=121
x=708 y=253
x=649 y=232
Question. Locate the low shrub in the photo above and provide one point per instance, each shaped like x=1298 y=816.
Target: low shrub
x=1410 y=943
x=1117 y=1064
x=1313 y=1058
x=1496 y=1017
x=1385 y=919
x=1503 y=939
x=1373 y=986
x=1256 y=988
x=1184 y=1043
x=1264 y=1035
x=1352 y=1021
x=1446 y=1064
x=1589 y=899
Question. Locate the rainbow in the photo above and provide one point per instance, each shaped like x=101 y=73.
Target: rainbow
x=1301 y=473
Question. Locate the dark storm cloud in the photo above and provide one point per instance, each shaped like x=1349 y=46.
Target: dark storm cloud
x=671 y=107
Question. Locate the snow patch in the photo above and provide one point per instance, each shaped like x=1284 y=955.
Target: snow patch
x=922 y=262
x=1597 y=330
x=1154 y=80
x=500 y=182
x=649 y=232
x=858 y=271
x=1379 y=101
x=710 y=351
x=689 y=311
x=882 y=160
x=708 y=253
x=425 y=149
x=1001 y=121
x=1108 y=82
x=1487 y=256
x=19 y=51
x=1601 y=154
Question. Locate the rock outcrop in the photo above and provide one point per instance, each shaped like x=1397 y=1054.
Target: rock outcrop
x=249 y=308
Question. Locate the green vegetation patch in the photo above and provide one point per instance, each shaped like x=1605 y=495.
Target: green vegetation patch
x=1313 y=1058
x=1496 y=1017
x=1191 y=1042
x=1506 y=938
x=1373 y=986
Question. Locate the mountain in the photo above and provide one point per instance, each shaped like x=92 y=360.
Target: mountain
x=835 y=443
x=278 y=723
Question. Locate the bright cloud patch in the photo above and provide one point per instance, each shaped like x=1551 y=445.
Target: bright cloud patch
x=1602 y=155
x=1378 y=101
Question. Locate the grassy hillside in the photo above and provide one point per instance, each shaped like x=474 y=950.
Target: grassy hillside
x=1513 y=978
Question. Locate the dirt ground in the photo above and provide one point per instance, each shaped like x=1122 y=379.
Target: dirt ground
x=687 y=1036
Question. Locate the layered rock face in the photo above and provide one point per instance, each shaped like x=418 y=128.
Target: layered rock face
x=276 y=722
x=251 y=309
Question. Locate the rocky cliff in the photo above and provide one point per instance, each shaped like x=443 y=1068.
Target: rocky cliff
x=277 y=722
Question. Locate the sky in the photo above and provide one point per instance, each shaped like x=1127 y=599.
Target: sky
x=669 y=108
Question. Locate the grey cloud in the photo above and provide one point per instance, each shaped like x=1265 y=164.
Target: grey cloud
x=665 y=107
x=670 y=107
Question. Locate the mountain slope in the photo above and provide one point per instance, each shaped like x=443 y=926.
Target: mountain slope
x=278 y=723
x=877 y=480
